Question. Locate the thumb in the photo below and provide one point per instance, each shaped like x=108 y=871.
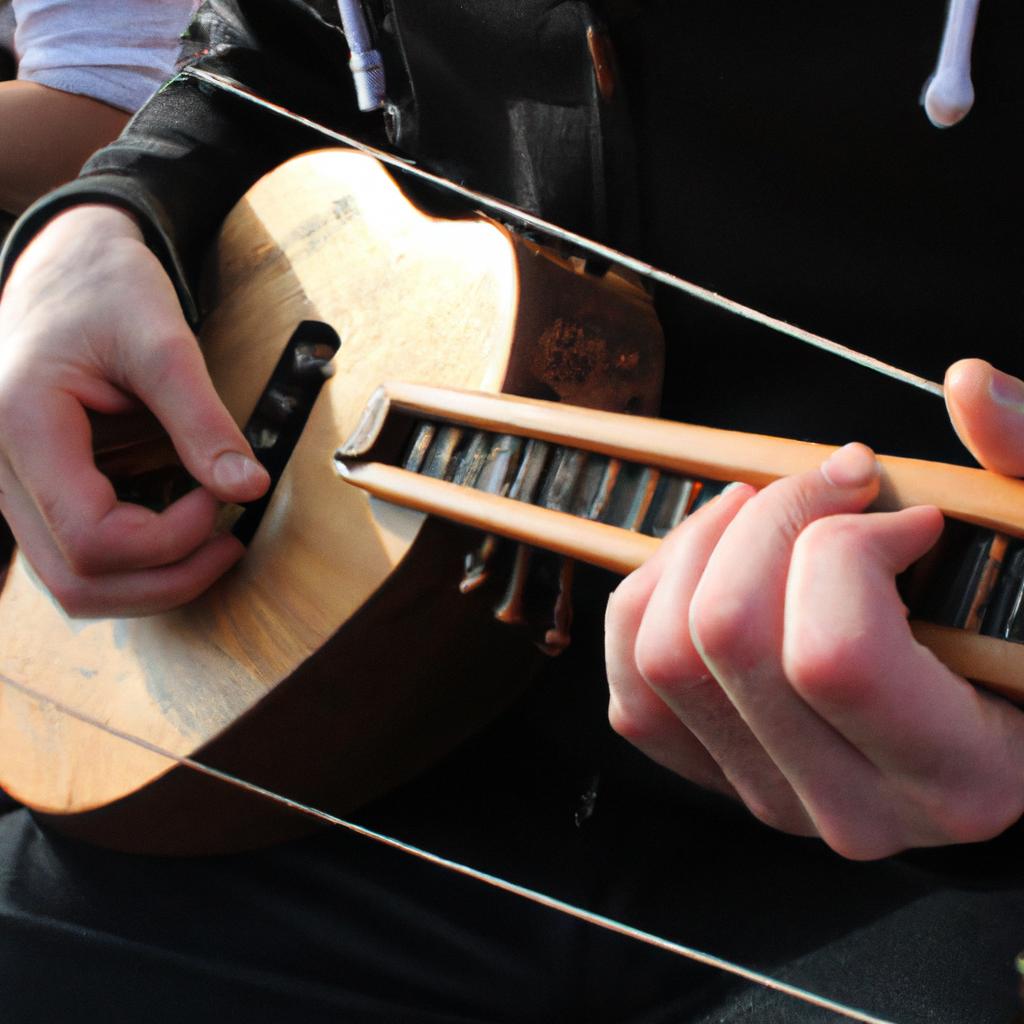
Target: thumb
x=987 y=410
x=167 y=372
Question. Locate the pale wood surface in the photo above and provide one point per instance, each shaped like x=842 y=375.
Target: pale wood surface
x=609 y=547
x=972 y=495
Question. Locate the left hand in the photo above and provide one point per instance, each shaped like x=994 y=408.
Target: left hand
x=90 y=323
x=764 y=651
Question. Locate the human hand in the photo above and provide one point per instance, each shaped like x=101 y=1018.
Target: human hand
x=90 y=323
x=764 y=651
x=987 y=410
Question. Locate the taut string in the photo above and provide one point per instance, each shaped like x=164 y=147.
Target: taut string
x=605 y=252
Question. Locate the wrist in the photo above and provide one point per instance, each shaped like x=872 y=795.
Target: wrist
x=99 y=221
x=79 y=234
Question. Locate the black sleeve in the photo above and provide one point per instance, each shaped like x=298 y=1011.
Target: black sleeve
x=191 y=152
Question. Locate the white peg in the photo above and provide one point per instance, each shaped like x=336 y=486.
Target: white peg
x=949 y=94
x=365 y=62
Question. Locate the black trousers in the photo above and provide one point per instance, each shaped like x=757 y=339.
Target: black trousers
x=335 y=927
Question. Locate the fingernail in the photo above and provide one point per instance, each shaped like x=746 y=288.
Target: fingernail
x=853 y=465
x=1006 y=390
x=236 y=472
x=714 y=499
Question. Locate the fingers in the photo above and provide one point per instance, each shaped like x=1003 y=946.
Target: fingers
x=987 y=410
x=736 y=619
x=736 y=615
x=734 y=551
x=769 y=634
x=942 y=751
x=670 y=665
x=649 y=658
x=165 y=369
x=193 y=558
x=99 y=556
x=881 y=746
x=137 y=592
x=175 y=385
x=838 y=639
x=56 y=479
x=90 y=322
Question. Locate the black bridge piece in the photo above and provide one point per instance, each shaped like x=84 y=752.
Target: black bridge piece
x=283 y=408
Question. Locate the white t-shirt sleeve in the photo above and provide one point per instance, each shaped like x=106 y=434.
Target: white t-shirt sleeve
x=117 y=51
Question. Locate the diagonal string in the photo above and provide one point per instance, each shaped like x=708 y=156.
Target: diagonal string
x=513 y=214
x=605 y=252
x=494 y=881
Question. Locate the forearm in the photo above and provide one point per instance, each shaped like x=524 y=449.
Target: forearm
x=46 y=136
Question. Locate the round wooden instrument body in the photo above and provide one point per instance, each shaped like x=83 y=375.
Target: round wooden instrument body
x=339 y=658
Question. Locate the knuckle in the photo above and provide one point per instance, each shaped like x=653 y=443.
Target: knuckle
x=824 y=666
x=780 y=811
x=82 y=554
x=870 y=833
x=789 y=506
x=160 y=358
x=864 y=845
x=930 y=816
x=640 y=723
x=795 y=516
x=661 y=658
x=73 y=595
x=862 y=830
x=82 y=561
x=969 y=816
x=627 y=603
x=830 y=538
x=621 y=721
x=719 y=622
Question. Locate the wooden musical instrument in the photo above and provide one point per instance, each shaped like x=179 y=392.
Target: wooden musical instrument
x=340 y=658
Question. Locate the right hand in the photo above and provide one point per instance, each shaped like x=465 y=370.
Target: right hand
x=764 y=651
x=90 y=322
